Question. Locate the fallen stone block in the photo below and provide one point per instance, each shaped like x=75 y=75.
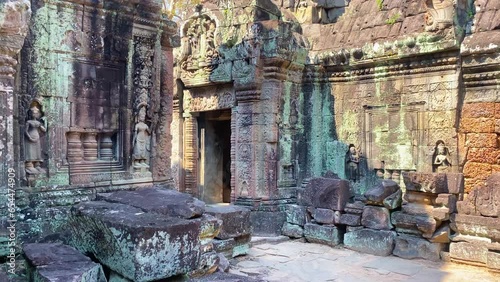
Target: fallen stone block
x=417 y=209
x=58 y=262
x=327 y=193
x=493 y=260
x=377 y=194
x=442 y=234
x=441 y=214
x=469 y=252
x=376 y=218
x=354 y=228
x=207 y=265
x=296 y=214
x=224 y=245
x=162 y=201
x=394 y=201
x=375 y=242
x=410 y=247
x=225 y=277
x=481 y=226
x=115 y=277
x=267 y=223
x=435 y=183
x=350 y=219
x=322 y=234
x=235 y=220
x=355 y=207
x=292 y=230
x=426 y=225
x=137 y=245
x=324 y=216
x=447 y=200
x=223 y=263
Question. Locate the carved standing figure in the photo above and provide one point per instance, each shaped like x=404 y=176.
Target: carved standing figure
x=33 y=152
x=352 y=164
x=440 y=158
x=141 y=140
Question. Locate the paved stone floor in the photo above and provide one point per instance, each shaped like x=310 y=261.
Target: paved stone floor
x=294 y=261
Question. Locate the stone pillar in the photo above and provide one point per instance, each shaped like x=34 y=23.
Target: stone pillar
x=89 y=146
x=106 y=146
x=14 y=17
x=75 y=153
x=191 y=155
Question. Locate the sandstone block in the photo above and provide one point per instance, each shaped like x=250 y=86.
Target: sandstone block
x=477 y=125
x=478 y=110
x=296 y=214
x=324 y=216
x=350 y=219
x=426 y=225
x=410 y=247
x=116 y=235
x=481 y=140
x=292 y=230
x=58 y=262
x=426 y=182
x=376 y=218
x=235 y=220
x=417 y=209
x=327 y=193
x=441 y=214
x=394 y=201
x=464 y=251
x=267 y=223
x=493 y=260
x=455 y=182
x=355 y=207
x=378 y=193
x=162 y=201
x=442 y=234
x=480 y=226
x=322 y=234
x=447 y=200
x=375 y=242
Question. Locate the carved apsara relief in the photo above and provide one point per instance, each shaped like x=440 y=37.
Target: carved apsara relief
x=34 y=130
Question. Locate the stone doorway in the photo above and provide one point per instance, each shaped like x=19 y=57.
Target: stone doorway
x=214 y=159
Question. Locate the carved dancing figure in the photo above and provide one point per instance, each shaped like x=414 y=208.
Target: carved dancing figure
x=141 y=140
x=440 y=158
x=352 y=164
x=33 y=152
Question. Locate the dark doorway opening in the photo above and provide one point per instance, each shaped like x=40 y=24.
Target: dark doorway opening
x=214 y=135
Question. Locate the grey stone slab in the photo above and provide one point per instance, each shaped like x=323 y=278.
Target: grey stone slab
x=376 y=242
x=158 y=200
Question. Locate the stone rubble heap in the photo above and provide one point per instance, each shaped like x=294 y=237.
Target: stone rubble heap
x=379 y=222
x=477 y=226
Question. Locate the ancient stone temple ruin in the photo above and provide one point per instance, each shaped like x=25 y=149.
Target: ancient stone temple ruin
x=143 y=148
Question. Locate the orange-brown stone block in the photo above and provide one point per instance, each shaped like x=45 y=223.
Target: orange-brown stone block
x=477 y=170
x=497 y=125
x=481 y=140
x=479 y=110
x=471 y=183
x=497 y=110
x=484 y=155
x=495 y=168
x=478 y=125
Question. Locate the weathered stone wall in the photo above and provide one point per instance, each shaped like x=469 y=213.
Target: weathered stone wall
x=14 y=19
x=92 y=104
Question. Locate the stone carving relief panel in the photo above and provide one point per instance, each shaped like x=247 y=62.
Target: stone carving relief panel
x=209 y=102
x=439 y=14
x=198 y=47
x=35 y=129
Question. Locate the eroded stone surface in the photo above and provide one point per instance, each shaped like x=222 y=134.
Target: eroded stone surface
x=138 y=245
x=322 y=234
x=378 y=193
x=376 y=218
x=375 y=242
x=327 y=193
x=58 y=262
x=162 y=201
x=410 y=247
x=235 y=220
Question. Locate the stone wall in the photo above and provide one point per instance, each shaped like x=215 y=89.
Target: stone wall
x=91 y=107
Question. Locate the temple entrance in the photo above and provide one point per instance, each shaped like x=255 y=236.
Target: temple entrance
x=214 y=136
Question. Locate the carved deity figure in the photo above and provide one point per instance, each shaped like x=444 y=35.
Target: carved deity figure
x=141 y=140
x=33 y=152
x=441 y=158
x=352 y=164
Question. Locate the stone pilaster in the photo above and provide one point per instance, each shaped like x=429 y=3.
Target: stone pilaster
x=14 y=18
